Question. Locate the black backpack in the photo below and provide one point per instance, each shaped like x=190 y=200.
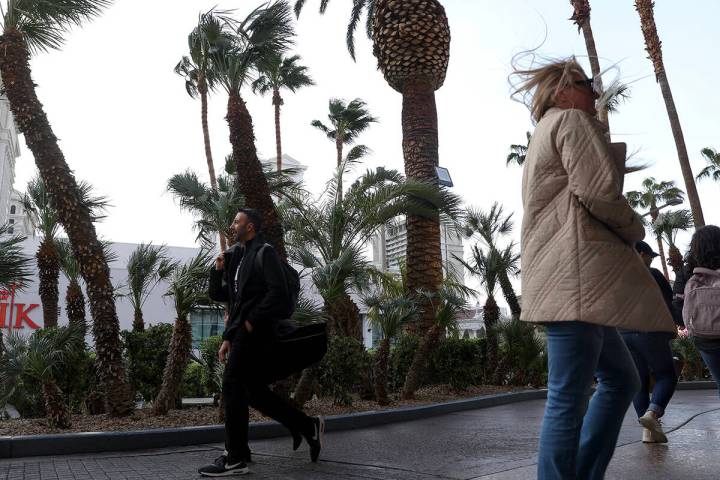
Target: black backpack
x=292 y=277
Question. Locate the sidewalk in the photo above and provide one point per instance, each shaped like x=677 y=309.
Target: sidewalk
x=494 y=443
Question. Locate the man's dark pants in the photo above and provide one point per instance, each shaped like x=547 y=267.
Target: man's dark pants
x=245 y=383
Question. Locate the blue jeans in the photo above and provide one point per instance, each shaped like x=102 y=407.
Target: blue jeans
x=712 y=360
x=577 y=440
x=652 y=354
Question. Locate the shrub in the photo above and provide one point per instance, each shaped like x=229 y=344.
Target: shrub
x=146 y=353
x=193 y=385
x=401 y=357
x=522 y=358
x=459 y=362
x=209 y=355
x=693 y=366
x=341 y=370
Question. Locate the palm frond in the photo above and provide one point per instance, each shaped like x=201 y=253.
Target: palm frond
x=15 y=266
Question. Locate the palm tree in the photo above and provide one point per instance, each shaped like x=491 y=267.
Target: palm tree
x=74 y=298
x=266 y=29
x=41 y=358
x=388 y=312
x=147 y=266
x=518 y=153
x=278 y=72
x=15 y=267
x=490 y=227
x=666 y=226
x=188 y=287
x=209 y=36
x=30 y=27
x=581 y=17
x=654 y=49
x=713 y=169
x=411 y=41
x=652 y=196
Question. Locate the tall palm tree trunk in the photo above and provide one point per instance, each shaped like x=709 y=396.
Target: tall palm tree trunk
x=250 y=177
x=75 y=218
x=202 y=88
x=420 y=150
x=339 y=151
x=381 y=368
x=75 y=306
x=675 y=259
x=654 y=49
x=509 y=294
x=491 y=315
x=420 y=361
x=304 y=387
x=48 y=263
x=277 y=102
x=346 y=316
x=56 y=410
x=661 y=252
x=138 y=320
x=175 y=366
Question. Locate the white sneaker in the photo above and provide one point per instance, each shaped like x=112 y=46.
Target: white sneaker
x=647 y=436
x=654 y=426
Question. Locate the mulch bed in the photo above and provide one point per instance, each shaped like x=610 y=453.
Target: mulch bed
x=143 y=419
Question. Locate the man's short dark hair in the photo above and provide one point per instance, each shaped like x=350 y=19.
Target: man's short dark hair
x=254 y=217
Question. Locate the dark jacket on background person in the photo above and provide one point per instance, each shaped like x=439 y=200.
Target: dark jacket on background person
x=261 y=297
x=667 y=293
x=681 y=279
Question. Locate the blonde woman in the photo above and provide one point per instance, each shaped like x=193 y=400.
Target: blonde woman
x=581 y=275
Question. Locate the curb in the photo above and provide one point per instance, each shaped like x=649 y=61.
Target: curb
x=96 y=442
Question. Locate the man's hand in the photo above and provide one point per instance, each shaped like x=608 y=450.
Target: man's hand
x=220 y=262
x=224 y=349
x=248 y=326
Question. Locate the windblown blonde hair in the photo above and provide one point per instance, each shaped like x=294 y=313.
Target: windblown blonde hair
x=538 y=87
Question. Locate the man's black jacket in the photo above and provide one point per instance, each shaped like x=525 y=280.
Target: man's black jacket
x=262 y=297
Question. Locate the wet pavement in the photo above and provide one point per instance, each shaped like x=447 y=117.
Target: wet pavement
x=493 y=443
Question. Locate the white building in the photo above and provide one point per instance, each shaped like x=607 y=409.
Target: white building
x=17 y=219
x=9 y=152
x=389 y=246
x=288 y=162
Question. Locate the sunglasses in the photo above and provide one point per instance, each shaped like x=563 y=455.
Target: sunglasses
x=588 y=83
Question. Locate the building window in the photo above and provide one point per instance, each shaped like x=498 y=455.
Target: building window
x=11 y=221
x=11 y=230
x=206 y=322
x=12 y=209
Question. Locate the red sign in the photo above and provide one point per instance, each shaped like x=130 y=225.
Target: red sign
x=10 y=310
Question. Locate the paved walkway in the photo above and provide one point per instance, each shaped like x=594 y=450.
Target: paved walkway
x=493 y=443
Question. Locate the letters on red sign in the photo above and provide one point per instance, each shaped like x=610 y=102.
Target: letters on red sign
x=22 y=315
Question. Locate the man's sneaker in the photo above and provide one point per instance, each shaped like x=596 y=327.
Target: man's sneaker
x=316 y=440
x=647 y=436
x=653 y=424
x=247 y=458
x=221 y=468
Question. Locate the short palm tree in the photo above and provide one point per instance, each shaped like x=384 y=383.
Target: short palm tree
x=411 y=41
x=188 y=288
x=210 y=35
x=654 y=49
x=387 y=312
x=490 y=226
x=266 y=30
x=15 y=267
x=41 y=357
x=652 y=196
x=147 y=266
x=276 y=73
x=347 y=121
x=713 y=169
x=518 y=152
x=666 y=226
x=31 y=27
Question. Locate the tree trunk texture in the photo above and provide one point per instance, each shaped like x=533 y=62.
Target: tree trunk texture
x=65 y=198
x=56 y=410
x=654 y=49
x=75 y=306
x=339 y=150
x=277 y=102
x=675 y=259
x=138 y=320
x=305 y=386
x=381 y=368
x=661 y=251
x=346 y=317
x=420 y=151
x=48 y=263
x=420 y=360
x=250 y=177
x=491 y=315
x=203 y=90
x=509 y=294
x=175 y=366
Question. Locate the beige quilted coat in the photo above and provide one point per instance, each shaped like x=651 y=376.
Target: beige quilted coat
x=578 y=232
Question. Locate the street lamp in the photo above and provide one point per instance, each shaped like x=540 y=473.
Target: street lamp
x=670 y=203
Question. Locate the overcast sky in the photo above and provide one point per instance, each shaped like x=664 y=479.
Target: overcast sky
x=126 y=124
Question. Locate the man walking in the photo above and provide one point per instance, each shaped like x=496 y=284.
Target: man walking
x=652 y=354
x=257 y=296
